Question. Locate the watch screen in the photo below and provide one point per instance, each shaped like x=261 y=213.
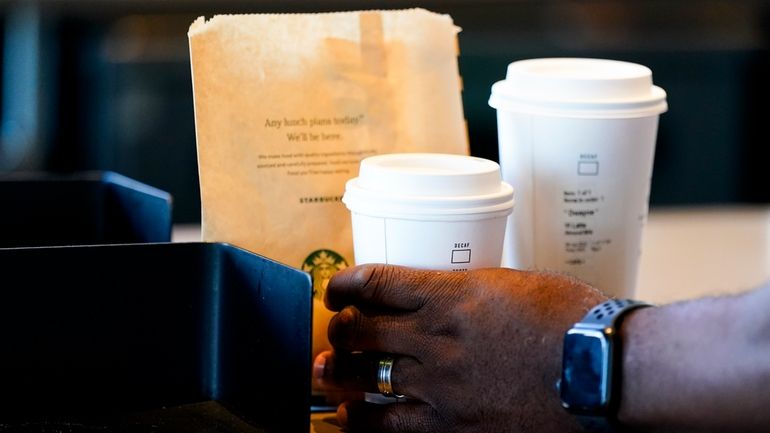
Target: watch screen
x=582 y=384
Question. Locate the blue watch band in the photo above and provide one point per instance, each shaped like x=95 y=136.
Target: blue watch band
x=591 y=366
x=608 y=313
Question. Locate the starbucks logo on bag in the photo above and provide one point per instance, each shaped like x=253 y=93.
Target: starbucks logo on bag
x=322 y=265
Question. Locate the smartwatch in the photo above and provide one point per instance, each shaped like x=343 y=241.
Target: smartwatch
x=591 y=363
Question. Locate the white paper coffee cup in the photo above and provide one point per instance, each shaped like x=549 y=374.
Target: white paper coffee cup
x=430 y=211
x=577 y=140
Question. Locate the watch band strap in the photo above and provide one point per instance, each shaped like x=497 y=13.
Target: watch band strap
x=597 y=424
x=608 y=314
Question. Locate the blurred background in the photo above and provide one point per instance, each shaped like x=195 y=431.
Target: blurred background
x=105 y=84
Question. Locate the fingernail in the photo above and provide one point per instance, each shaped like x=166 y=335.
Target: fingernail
x=342 y=415
x=319 y=367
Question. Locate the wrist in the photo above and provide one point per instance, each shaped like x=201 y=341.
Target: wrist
x=631 y=410
x=675 y=359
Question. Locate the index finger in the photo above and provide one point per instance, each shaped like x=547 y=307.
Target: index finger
x=380 y=286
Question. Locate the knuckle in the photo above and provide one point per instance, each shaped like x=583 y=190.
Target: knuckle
x=407 y=377
x=369 y=279
x=344 y=328
x=427 y=422
x=369 y=276
x=446 y=366
x=377 y=278
x=411 y=418
x=444 y=326
x=393 y=420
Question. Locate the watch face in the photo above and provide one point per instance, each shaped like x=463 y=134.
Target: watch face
x=584 y=384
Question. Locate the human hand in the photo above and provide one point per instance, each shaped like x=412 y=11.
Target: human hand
x=476 y=351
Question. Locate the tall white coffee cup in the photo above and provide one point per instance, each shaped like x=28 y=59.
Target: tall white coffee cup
x=430 y=211
x=577 y=140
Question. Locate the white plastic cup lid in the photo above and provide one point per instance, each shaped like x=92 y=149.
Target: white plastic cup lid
x=575 y=87
x=404 y=185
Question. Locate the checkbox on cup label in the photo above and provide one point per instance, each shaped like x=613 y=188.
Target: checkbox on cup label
x=461 y=256
x=588 y=168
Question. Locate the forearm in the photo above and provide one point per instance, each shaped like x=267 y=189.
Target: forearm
x=699 y=366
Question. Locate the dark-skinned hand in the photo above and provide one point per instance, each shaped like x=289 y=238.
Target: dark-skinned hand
x=476 y=351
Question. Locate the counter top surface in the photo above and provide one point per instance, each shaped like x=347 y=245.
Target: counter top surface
x=694 y=252
x=686 y=252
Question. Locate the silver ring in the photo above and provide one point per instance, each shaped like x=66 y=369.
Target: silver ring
x=384 y=385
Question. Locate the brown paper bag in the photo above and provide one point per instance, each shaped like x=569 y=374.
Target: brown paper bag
x=286 y=105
